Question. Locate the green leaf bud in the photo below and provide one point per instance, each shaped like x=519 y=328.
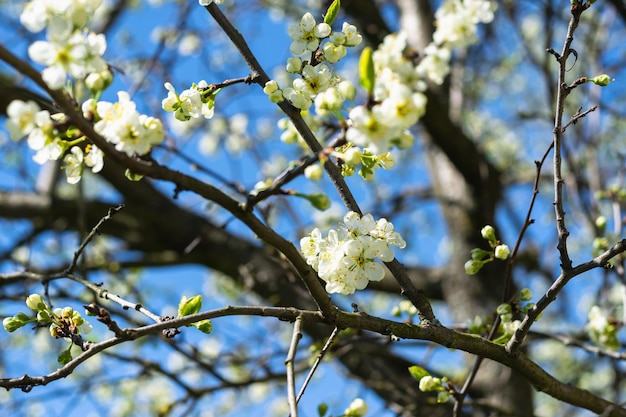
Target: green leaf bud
x=319 y=200
x=64 y=357
x=504 y=308
x=331 y=13
x=480 y=254
x=189 y=306
x=367 y=75
x=205 y=326
x=43 y=316
x=322 y=409
x=131 y=176
x=418 y=372
x=11 y=324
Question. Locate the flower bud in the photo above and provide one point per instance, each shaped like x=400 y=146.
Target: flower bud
x=347 y=89
x=473 y=266
x=357 y=408
x=294 y=65
x=602 y=80
x=98 y=81
x=525 y=294
x=35 y=302
x=502 y=252
x=443 y=397
x=488 y=233
x=319 y=201
x=313 y=172
x=11 y=324
x=429 y=383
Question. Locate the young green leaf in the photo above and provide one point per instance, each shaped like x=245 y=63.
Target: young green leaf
x=189 y=306
x=331 y=13
x=366 y=70
x=322 y=409
x=418 y=372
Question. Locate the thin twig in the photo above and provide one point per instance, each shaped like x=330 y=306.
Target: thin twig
x=105 y=294
x=94 y=231
x=289 y=365
x=318 y=360
x=601 y=261
x=562 y=92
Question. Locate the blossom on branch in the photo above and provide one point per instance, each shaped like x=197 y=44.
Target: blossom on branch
x=121 y=125
x=346 y=258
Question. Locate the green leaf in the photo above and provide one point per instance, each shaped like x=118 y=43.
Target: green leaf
x=132 y=176
x=331 y=13
x=322 y=409
x=366 y=70
x=418 y=372
x=189 y=306
x=205 y=326
x=64 y=357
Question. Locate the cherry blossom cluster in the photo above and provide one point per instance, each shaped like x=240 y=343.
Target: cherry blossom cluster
x=310 y=60
x=50 y=137
x=395 y=85
x=72 y=53
x=195 y=102
x=398 y=100
x=121 y=124
x=346 y=258
x=602 y=330
x=68 y=49
x=64 y=322
x=457 y=23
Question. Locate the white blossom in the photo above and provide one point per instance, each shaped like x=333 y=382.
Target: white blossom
x=73 y=165
x=130 y=132
x=21 y=118
x=191 y=103
x=357 y=408
x=347 y=258
x=306 y=34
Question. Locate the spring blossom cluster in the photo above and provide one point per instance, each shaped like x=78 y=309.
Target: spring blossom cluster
x=68 y=50
x=195 y=102
x=398 y=96
x=397 y=99
x=317 y=78
x=72 y=53
x=346 y=258
x=456 y=27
